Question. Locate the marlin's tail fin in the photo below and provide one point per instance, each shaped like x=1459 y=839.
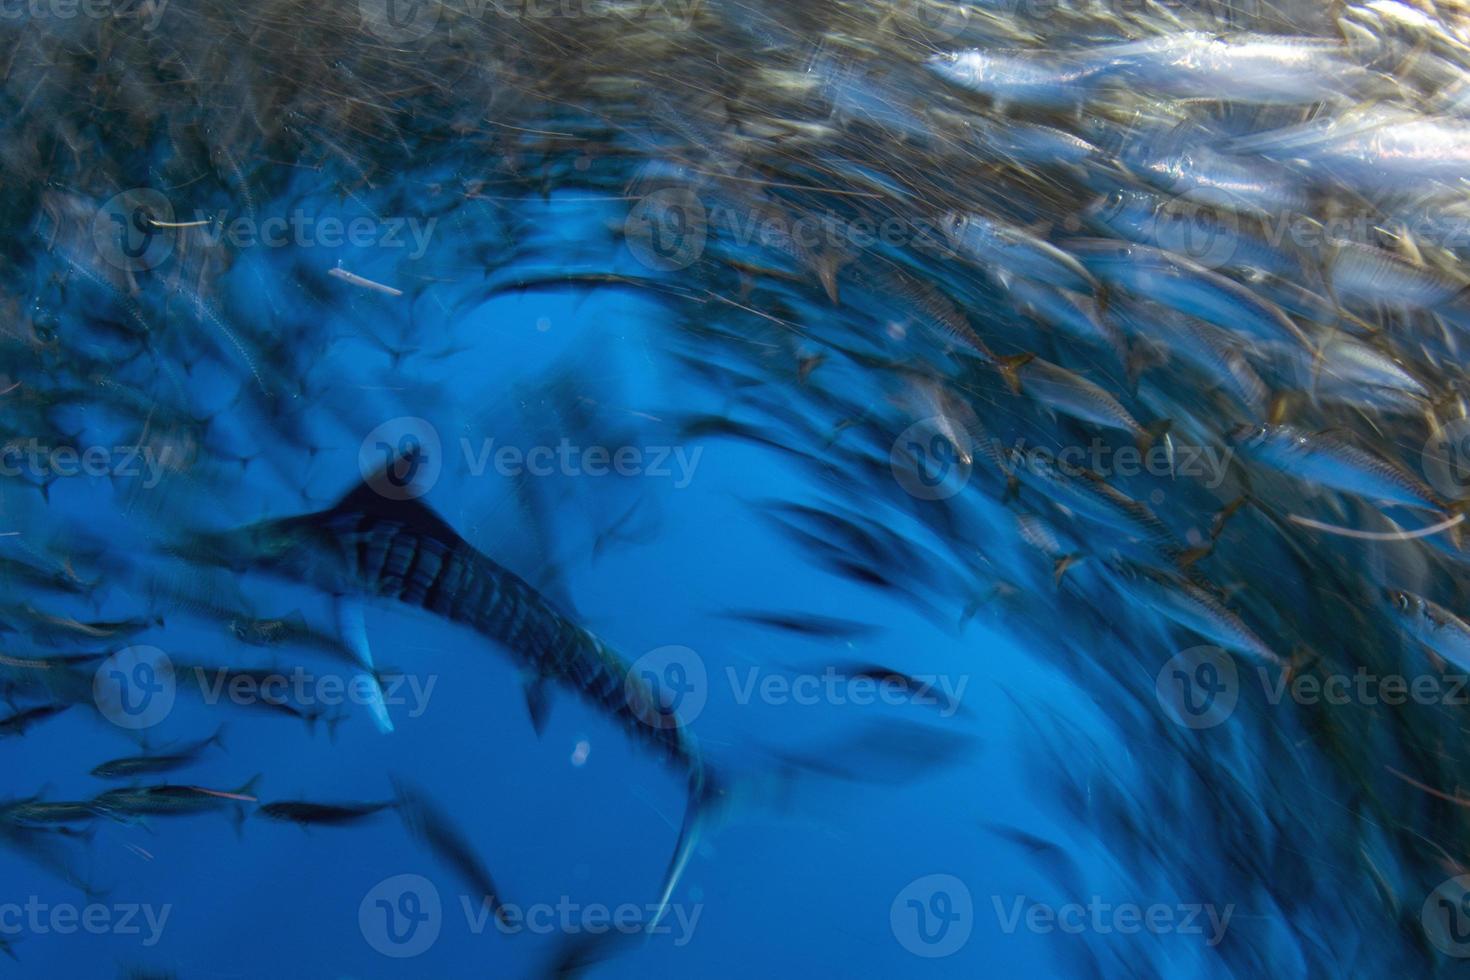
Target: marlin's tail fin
x=705 y=794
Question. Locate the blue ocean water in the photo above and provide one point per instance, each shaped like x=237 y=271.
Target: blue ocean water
x=576 y=823
x=770 y=475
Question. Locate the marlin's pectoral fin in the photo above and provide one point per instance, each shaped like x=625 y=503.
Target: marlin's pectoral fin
x=538 y=701
x=352 y=624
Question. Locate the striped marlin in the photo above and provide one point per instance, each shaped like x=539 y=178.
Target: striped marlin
x=370 y=545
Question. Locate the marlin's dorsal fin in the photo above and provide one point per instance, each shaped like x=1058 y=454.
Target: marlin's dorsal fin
x=391 y=497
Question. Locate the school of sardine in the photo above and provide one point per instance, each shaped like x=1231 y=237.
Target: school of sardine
x=1124 y=328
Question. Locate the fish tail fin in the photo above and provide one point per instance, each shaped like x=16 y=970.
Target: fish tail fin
x=1222 y=517
x=332 y=722
x=712 y=797
x=704 y=792
x=1301 y=658
x=1152 y=433
x=353 y=627
x=1456 y=511
x=1190 y=556
x=1060 y=566
x=1009 y=366
x=1279 y=408
x=247 y=793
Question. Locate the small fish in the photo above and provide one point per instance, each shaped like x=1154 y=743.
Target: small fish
x=329 y=814
x=916 y=687
x=1200 y=173
x=1073 y=395
x=1194 y=608
x=1261 y=69
x=806 y=624
x=269 y=632
x=427 y=822
x=1189 y=230
x=354 y=279
x=1328 y=461
x=1381 y=148
x=1016 y=252
x=55 y=630
x=1018 y=77
x=268 y=684
x=1433 y=625
x=1186 y=286
x=1092 y=497
x=35 y=812
x=1373 y=275
x=18 y=723
x=1205 y=346
x=1071 y=313
x=140 y=765
x=126 y=805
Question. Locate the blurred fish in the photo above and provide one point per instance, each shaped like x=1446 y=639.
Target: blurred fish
x=1075 y=396
x=1433 y=625
x=425 y=821
x=328 y=814
x=1186 y=287
x=399 y=549
x=140 y=765
x=21 y=721
x=805 y=624
x=1327 y=460
x=1019 y=77
x=1194 y=608
x=1015 y=252
x=138 y=802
